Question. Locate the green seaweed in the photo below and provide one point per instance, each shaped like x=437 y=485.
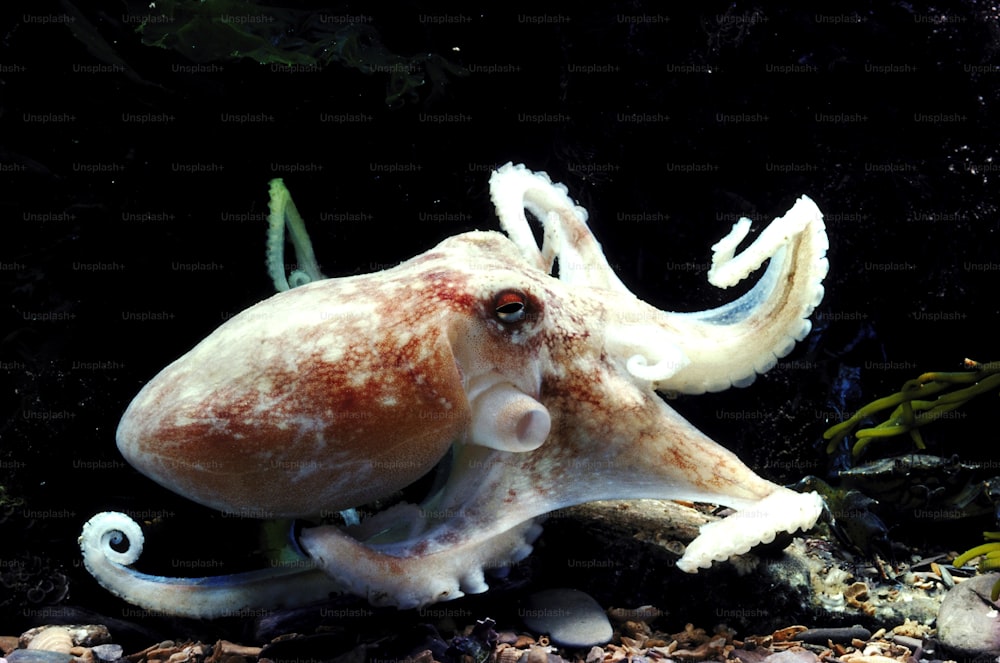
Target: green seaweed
x=8 y=503
x=210 y=31
x=914 y=408
x=990 y=553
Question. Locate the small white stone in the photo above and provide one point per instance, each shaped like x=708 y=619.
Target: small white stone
x=570 y=617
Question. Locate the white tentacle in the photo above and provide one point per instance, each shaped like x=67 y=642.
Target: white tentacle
x=204 y=598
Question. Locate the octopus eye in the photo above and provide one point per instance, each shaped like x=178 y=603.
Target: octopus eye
x=511 y=306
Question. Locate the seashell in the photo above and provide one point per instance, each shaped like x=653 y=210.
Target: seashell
x=858 y=597
x=80 y=635
x=508 y=654
x=187 y=653
x=226 y=648
x=833 y=602
x=52 y=638
x=788 y=633
x=637 y=630
x=538 y=654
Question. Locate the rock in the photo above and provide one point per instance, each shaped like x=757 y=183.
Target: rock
x=570 y=617
x=794 y=655
x=37 y=656
x=634 y=545
x=107 y=652
x=968 y=622
x=845 y=634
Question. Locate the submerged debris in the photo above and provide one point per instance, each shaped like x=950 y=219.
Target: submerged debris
x=640 y=635
x=83 y=643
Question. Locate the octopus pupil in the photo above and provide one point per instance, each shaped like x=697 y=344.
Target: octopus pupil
x=510 y=307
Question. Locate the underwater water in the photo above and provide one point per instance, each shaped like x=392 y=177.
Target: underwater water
x=135 y=154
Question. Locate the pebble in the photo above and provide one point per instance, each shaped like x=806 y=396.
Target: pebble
x=107 y=652
x=968 y=624
x=570 y=617
x=37 y=656
x=796 y=655
x=843 y=634
x=8 y=643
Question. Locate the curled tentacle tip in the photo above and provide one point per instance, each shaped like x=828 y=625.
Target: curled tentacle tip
x=113 y=535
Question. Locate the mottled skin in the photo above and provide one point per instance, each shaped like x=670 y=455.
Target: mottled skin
x=280 y=414
x=612 y=437
x=343 y=391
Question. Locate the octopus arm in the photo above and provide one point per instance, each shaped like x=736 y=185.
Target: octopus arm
x=283 y=214
x=729 y=345
x=411 y=576
x=783 y=510
x=565 y=234
x=202 y=598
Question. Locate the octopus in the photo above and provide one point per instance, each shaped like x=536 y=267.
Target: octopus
x=522 y=375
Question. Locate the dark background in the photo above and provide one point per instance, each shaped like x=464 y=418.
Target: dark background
x=114 y=259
